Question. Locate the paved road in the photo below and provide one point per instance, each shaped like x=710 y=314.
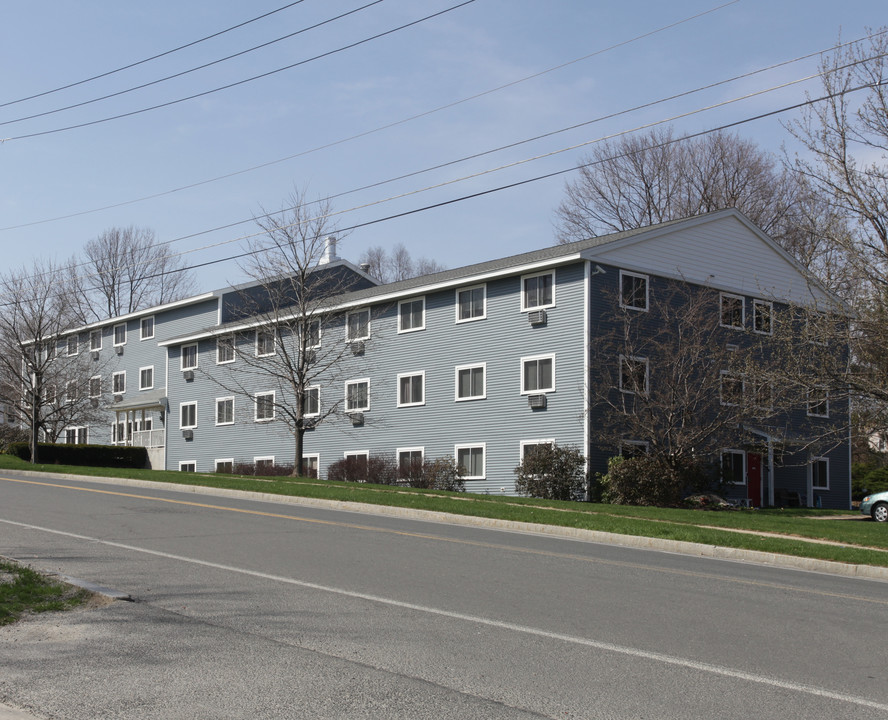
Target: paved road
x=266 y=610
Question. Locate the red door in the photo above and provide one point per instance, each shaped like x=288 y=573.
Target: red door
x=754 y=478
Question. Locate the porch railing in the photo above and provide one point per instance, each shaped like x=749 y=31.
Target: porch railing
x=147 y=438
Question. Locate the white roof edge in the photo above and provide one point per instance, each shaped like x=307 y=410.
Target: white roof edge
x=142 y=313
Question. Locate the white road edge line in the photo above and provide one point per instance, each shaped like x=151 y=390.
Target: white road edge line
x=608 y=647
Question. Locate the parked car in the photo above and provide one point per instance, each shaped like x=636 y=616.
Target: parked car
x=876 y=505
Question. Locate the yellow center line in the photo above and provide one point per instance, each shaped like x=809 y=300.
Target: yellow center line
x=457 y=541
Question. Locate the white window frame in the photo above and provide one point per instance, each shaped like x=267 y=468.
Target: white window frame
x=647 y=290
x=468 y=398
x=722 y=374
x=721 y=315
x=483 y=288
x=769 y=306
x=310 y=389
x=524 y=278
x=348 y=337
x=734 y=451
x=256 y=397
x=634 y=443
x=216 y=410
x=266 y=332
x=825 y=400
x=90 y=390
x=411 y=301
x=222 y=460
x=358 y=381
x=114 y=334
x=95 y=334
x=227 y=338
x=142 y=321
x=184 y=463
x=71 y=391
x=182 y=406
x=320 y=332
x=537 y=358
x=524 y=444
x=308 y=457
x=262 y=458
x=76 y=342
x=146 y=387
x=196 y=357
x=365 y=454
x=401 y=376
x=114 y=376
x=398 y=451
x=472 y=446
x=647 y=373
x=814 y=461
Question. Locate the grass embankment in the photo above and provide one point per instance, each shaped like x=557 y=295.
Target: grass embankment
x=23 y=590
x=786 y=531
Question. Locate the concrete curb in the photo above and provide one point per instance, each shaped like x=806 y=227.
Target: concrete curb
x=633 y=541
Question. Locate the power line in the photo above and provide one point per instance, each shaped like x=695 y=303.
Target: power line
x=244 y=81
x=149 y=59
x=194 y=69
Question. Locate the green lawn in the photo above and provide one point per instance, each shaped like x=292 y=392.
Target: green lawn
x=862 y=541
x=22 y=590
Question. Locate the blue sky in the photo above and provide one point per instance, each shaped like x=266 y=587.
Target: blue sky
x=53 y=185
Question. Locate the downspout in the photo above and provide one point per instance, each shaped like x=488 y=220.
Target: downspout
x=586 y=334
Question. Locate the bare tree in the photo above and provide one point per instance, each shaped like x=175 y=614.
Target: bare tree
x=44 y=375
x=124 y=270
x=398 y=264
x=288 y=311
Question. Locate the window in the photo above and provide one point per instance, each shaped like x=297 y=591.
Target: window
x=538 y=291
x=146 y=378
x=411 y=315
x=732 y=311
x=311 y=404
x=118 y=382
x=357 y=325
x=146 y=328
x=470 y=383
x=188 y=415
x=820 y=474
x=764 y=395
x=818 y=402
x=263 y=464
x=313 y=334
x=225 y=411
x=538 y=374
x=95 y=340
x=762 y=312
x=120 y=334
x=224 y=350
x=71 y=391
x=95 y=386
x=409 y=461
x=528 y=446
x=471 y=459
x=734 y=467
x=633 y=448
x=76 y=435
x=49 y=392
x=265 y=406
x=633 y=291
x=187 y=466
x=634 y=375
x=357 y=395
x=730 y=388
x=310 y=465
x=226 y=465
x=264 y=343
x=72 y=345
x=189 y=357
x=471 y=304
x=411 y=389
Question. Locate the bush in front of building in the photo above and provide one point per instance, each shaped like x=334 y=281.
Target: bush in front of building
x=442 y=473
x=552 y=472
x=119 y=456
x=263 y=470
x=645 y=480
x=378 y=469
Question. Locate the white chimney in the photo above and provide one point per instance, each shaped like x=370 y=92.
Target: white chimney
x=329 y=250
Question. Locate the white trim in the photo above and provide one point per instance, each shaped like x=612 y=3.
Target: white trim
x=647 y=373
x=114 y=340
x=89 y=387
x=187 y=462
x=587 y=294
x=536 y=358
x=471 y=288
x=469 y=398
x=317 y=459
x=348 y=338
x=419 y=373
x=635 y=443
x=359 y=381
x=68 y=340
x=420 y=298
x=308 y=389
x=265 y=331
x=147 y=311
x=233 y=349
x=523 y=444
x=770 y=305
x=91 y=334
x=216 y=410
x=647 y=290
x=148 y=387
x=114 y=375
x=398 y=451
x=142 y=320
x=825 y=397
x=524 y=278
x=222 y=460
x=256 y=397
x=721 y=298
x=721 y=387
x=356 y=453
x=196 y=347
x=262 y=458
x=734 y=451
x=182 y=418
x=472 y=446
x=811 y=475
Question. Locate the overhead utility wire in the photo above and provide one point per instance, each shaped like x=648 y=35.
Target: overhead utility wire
x=149 y=59
x=389 y=125
x=194 y=69
x=518 y=183
x=244 y=81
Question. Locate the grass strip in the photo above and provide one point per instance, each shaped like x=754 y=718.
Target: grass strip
x=23 y=590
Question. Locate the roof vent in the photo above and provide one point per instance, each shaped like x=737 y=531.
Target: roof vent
x=329 y=250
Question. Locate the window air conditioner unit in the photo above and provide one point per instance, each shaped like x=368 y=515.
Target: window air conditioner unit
x=357 y=418
x=94 y=402
x=118 y=398
x=309 y=423
x=536 y=401
x=357 y=347
x=188 y=434
x=95 y=354
x=119 y=349
x=537 y=317
x=188 y=375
